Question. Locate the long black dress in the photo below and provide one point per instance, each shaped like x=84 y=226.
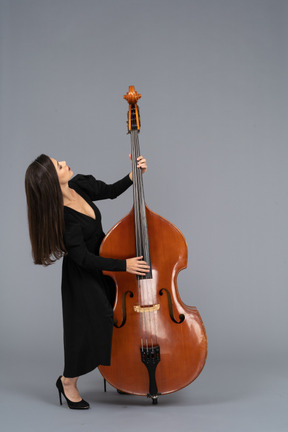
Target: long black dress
x=87 y=312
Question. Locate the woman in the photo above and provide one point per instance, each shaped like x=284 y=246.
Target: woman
x=64 y=221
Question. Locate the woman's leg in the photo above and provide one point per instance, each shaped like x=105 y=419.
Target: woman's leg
x=70 y=388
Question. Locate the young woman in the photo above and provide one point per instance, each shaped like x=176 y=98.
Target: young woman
x=64 y=221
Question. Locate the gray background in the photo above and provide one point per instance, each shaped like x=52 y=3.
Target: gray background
x=213 y=75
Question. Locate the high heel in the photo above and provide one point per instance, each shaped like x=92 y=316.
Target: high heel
x=73 y=405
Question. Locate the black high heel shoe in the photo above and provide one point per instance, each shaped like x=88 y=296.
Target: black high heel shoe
x=73 y=405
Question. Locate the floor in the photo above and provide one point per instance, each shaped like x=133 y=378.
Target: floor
x=230 y=396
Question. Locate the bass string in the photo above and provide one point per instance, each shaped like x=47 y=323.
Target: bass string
x=148 y=284
x=143 y=324
x=145 y=286
x=138 y=245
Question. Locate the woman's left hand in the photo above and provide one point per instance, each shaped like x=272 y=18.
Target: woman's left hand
x=141 y=163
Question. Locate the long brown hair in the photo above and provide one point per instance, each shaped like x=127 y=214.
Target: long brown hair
x=45 y=211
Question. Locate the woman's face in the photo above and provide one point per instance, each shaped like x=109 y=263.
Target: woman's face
x=63 y=171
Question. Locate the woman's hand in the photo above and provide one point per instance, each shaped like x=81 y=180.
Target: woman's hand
x=141 y=163
x=137 y=266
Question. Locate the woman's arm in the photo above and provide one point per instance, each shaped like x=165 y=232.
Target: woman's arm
x=78 y=252
x=98 y=190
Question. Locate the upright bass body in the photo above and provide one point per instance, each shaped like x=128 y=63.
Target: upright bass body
x=159 y=344
x=182 y=342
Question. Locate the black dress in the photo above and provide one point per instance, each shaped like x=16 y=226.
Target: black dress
x=87 y=312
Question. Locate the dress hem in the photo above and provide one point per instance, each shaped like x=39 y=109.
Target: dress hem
x=86 y=371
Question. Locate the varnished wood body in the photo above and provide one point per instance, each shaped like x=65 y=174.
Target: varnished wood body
x=183 y=347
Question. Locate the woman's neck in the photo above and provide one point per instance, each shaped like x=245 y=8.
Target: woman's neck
x=68 y=194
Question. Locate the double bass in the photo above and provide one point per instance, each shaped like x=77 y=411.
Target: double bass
x=159 y=344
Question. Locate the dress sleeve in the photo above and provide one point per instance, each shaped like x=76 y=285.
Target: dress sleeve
x=78 y=252
x=98 y=190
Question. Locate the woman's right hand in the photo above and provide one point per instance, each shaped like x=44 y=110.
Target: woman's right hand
x=137 y=266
